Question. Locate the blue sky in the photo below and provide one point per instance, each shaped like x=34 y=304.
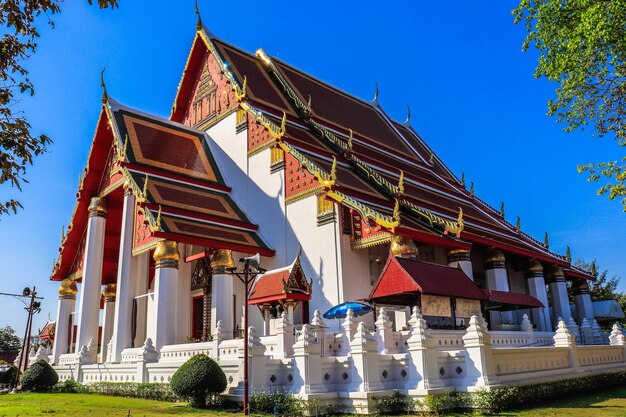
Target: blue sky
x=459 y=65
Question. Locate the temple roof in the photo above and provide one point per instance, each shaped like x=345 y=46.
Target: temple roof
x=375 y=154
x=171 y=170
x=283 y=284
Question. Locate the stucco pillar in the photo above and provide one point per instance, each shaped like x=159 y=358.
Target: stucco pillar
x=558 y=291
x=163 y=324
x=365 y=375
x=479 y=363
x=537 y=288
x=63 y=327
x=126 y=267
x=89 y=305
x=497 y=279
x=222 y=303
x=460 y=258
x=141 y=288
x=183 y=299
x=266 y=320
x=108 y=318
x=584 y=306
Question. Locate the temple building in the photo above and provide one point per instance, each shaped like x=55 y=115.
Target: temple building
x=342 y=203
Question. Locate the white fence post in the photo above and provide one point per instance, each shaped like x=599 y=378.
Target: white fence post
x=384 y=332
x=563 y=338
x=365 y=373
x=479 y=359
x=284 y=336
x=307 y=378
x=422 y=356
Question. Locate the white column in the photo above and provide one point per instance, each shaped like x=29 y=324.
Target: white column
x=460 y=258
x=497 y=279
x=584 y=306
x=67 y=301
x=108 y=319
x=558 y=291
x=89 y=306
x=125 y=289
x=221 y=303
x=141 y=288
x=537 y=288
x=183 y=330
x=163 y=324
x=266 y=320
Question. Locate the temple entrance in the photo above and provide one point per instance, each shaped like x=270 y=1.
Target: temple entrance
x=197 y=318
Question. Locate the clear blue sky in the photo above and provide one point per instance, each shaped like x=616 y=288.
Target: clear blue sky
x=460 y=67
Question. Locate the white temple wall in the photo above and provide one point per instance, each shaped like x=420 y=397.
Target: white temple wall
x=321 y=256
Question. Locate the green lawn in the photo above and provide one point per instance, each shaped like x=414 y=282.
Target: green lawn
x=602 y=404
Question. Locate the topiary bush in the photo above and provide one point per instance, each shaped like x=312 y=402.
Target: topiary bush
x=39 y=376
x=198 y=378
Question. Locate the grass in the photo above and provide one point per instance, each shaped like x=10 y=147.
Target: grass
x=606 y=403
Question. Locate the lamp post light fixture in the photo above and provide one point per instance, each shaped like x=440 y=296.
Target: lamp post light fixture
x=251 y=269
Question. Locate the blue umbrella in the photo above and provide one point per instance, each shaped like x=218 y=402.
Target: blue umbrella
x=341 y=311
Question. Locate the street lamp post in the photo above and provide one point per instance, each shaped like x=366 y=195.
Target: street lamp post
x=246 y=276
x=32 y=308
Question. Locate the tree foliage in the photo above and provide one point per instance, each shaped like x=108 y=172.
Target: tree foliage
x=19 y=21
x=582 y=45
x=9 y=341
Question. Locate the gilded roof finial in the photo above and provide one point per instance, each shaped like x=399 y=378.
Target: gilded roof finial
x=401 y=183
x=408 y=115
x=240 y=93
x=333 y=170
x=431 y=160
x=463 y=179
x=518 y=226
x=471 y=190
x=144 y=192
x=283 y=122
x=199 y=22
x=350 y=141
x=502 y=209
x=105 y=95
x=62 y=233
x=158 y=219
x=568 y=254
x=460 y=222
x=308 y=106
x=396 y=212
x=546 y=241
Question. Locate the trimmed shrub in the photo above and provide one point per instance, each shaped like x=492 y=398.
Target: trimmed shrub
x=9 y=376
x=198 y=378
x=40 y=376
x=276 y=401
x=393 y=404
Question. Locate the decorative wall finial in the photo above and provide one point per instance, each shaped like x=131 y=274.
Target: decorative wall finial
x=283 y=123
x=568 y=254
x=518 y=226
x=105 y=95
x=375 y=100
x=460 y=222
x=502 y=209
x=546 y=241
x=333 y=170
x=199 y=22
x=350 y=141
x=396 y=212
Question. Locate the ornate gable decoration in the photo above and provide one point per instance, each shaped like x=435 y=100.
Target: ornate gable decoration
x=296 y=281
